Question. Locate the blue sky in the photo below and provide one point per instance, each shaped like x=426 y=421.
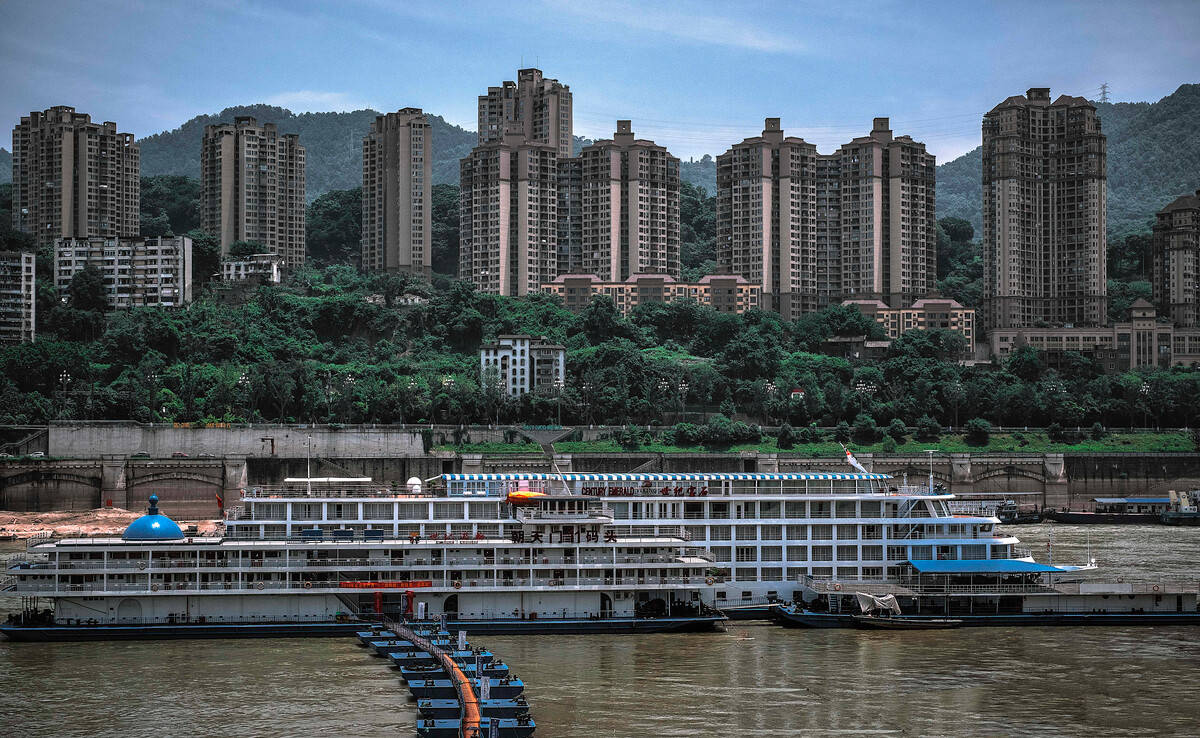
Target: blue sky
x=695 y=77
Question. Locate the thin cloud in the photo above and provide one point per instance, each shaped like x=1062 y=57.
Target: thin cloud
x=312 y=101
x=683 y=24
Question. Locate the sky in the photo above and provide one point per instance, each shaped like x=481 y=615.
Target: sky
x=695 y=77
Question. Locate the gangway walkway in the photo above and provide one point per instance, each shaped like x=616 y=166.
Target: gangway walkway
x=469 y=727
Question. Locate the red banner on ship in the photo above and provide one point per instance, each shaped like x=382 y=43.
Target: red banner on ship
x=385 y=585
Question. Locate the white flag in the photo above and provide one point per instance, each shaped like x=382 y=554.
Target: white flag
x=485 y=687
x=462 y=640
x=853 y=461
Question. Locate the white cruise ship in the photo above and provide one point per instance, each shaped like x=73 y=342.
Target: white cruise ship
x=501 y=552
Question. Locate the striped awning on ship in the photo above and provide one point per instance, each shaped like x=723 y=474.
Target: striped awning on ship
x=714 y=477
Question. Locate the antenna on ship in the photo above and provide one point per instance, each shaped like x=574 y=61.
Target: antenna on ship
x=931 y=452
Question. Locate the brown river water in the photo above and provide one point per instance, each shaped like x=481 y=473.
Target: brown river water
x=752 y=680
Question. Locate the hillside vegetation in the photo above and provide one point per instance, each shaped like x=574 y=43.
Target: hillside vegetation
x=1153 y=157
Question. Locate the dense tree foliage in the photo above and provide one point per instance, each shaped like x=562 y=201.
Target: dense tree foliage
x=333 y=228
x=697 y=231
x=959 y=266
x=444 y=222
x=315 y=349
x=170 y=205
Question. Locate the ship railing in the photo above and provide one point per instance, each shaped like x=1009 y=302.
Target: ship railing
x=342 y=585
x=374 y=491
x=599 y=515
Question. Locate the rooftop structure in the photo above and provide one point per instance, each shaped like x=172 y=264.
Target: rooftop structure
x=727 y=293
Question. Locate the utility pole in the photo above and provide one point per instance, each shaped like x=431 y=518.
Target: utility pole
x=1103 y=92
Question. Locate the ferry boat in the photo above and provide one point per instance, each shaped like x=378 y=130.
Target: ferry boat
x=1183 y=509
x=501 y=553
x=1114 y=511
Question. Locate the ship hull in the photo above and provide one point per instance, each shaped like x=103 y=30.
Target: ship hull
x=305 y=630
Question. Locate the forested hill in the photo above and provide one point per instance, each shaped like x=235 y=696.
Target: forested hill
x=332 y=142
x=1153 y=157
x=5 y=166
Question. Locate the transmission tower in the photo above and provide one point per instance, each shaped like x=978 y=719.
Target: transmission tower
x=1103 y=92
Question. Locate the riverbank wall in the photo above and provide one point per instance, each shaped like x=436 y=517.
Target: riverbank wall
x=91 y=465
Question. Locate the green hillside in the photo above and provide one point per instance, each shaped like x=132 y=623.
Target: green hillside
x=1153 y=157
x=333 y=143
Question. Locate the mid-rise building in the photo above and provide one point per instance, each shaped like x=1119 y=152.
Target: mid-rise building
x=137 y=271
x=396 y=194
x=18 y=296
x=508 y=215
x=1044 y=195
x=1142 y=341
x=518 y=364
x=815 y=229
x=630 y=207
x=535 y=106
x=928 y=313
x=726 y=293
x=1176 y=260
x=73 y=178
x=262 y=268
x=253 y=187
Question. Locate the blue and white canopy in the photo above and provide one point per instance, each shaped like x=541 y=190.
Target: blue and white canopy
x=711 y=477
x=984 y=566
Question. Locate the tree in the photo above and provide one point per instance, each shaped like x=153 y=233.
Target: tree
x=786 y=437
x=841 y=433
x=865 y=430
x=978 y=432
x=245 y=248
x=170 y=203
x=897 y=431
x=87 y=291
x=928 y=429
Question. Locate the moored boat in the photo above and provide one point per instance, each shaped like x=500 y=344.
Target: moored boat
x=878 y=622
x=451 y=709
x=1113 y=511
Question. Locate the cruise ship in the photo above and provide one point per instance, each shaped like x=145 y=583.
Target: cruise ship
x=571 y=552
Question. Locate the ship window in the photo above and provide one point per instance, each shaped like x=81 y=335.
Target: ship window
x=870 y=509
x=797 y=553
x=719 y=533
x=447 y=510
x=747 y=533
x=847 y=553
x=795 y=510
x=822 y=553
x=846 y=509
x=797 y=532
x=847 y=532
x=772 y=553
x=822 y=532
x=721 y=553
x=772 y=532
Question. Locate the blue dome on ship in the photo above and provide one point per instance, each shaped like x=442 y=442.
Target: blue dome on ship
x=152 y=526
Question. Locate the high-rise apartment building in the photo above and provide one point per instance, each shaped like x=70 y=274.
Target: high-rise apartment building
x=630 y=207
x=539 y=108
x=74 y=178
x=137 y=271
x=1176 y=260
x=18 y=297
x=570 y=215
x=252 y=187
x=396 y=194
x=508 y=215
x=1044 y=195
x=815 y=229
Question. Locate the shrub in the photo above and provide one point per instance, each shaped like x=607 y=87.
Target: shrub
x=1054 y=432
x=1098 y=432
x=687 y=434
x=979 y=432
x=897 y=430
x=841 y=433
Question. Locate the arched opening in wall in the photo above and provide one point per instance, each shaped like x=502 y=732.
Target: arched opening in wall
x=129 y=611
x=606 y=608
x=450 y=606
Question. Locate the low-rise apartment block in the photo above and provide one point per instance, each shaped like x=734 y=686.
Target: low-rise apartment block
x=18 y=296
x=726 y=293
x=137 y=271
x=263 y=268
x=1141 y=341
x=518 y=364
x=928 y=313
